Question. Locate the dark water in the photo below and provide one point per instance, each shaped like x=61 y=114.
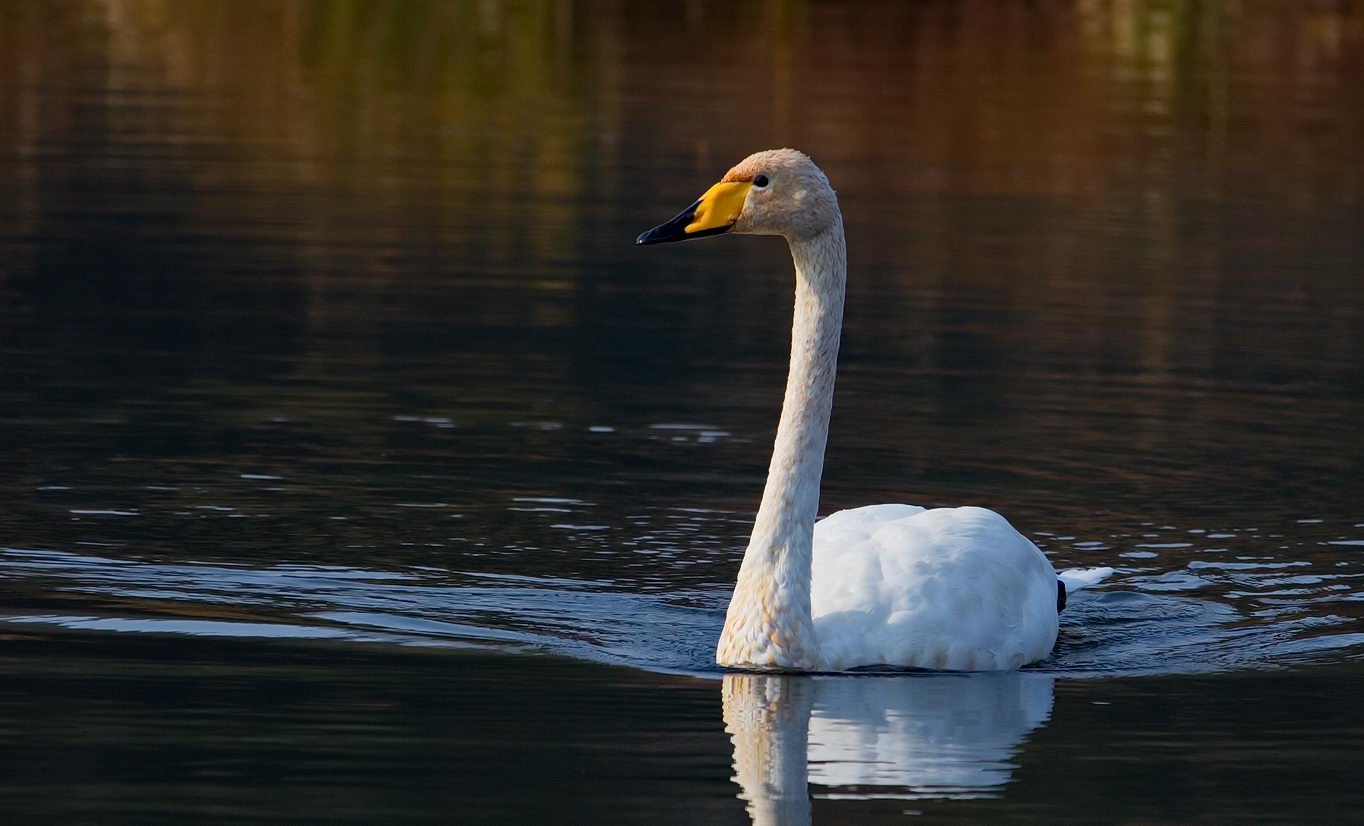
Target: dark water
x=357 y=467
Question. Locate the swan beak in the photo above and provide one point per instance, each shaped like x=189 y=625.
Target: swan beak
x=713 y=213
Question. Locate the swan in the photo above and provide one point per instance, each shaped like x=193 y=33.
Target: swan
x=956 y=589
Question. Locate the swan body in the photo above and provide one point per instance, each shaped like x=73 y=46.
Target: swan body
x=947 y=588
x=895 y=585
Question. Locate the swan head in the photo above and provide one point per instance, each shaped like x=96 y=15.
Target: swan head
x=776 y=192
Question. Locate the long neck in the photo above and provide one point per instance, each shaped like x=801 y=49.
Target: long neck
x=768 y=623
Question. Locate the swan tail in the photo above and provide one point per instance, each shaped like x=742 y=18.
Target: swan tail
x=1077 y=578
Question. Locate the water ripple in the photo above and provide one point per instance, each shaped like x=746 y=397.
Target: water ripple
x=1208 y=616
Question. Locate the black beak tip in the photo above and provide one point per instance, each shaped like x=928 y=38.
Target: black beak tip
x=659 y=234
x=673 y=230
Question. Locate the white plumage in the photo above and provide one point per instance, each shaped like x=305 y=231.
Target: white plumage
x=948 y=588
x=897 y=585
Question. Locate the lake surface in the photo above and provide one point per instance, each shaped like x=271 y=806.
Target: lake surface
x=358 y=468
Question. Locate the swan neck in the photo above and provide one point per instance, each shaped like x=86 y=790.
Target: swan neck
x=791 y=497
x=769 y=620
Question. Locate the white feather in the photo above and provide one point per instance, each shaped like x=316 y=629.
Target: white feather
x=1077 y=578
x=948 y=588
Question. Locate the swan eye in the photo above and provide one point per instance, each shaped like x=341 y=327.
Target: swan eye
x=760 y=181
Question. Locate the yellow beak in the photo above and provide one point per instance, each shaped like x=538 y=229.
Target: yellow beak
x=713 y=213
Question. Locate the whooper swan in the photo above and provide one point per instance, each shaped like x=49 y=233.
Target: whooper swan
x=948 y=588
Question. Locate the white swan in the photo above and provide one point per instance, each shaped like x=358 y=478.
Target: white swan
x=949 y=588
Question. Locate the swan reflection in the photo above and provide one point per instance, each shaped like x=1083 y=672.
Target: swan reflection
x=907 y=737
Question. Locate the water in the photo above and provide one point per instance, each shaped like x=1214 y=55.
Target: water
x=358 y=467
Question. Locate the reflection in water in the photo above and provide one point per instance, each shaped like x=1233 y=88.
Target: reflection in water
x=768 y=719
x=934 y=735
x=910 y=737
